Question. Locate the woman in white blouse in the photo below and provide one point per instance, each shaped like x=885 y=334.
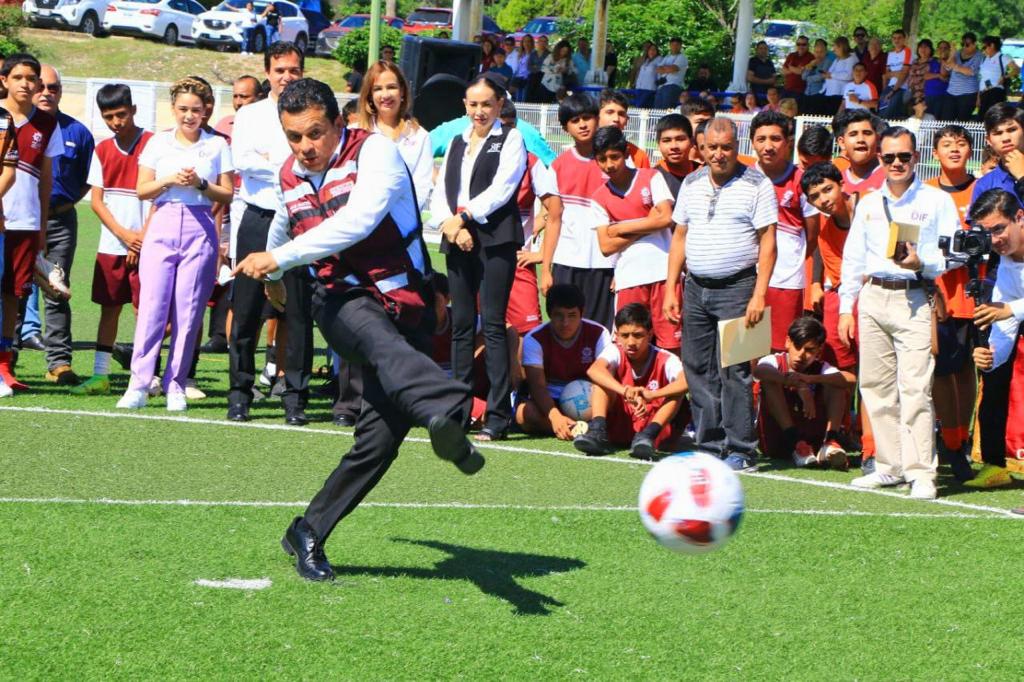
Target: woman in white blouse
x=556 y=67
x=384 y=107
x=839 y=73
x=475 y=205
x=184 y=172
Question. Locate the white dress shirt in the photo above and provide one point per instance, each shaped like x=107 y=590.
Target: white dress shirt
x=382 y=187
x=414 y=145
x=675 y=77
x=866 y=245
x=1009 y=289
x=511 y=166
x=165 y=155
x=259 y=149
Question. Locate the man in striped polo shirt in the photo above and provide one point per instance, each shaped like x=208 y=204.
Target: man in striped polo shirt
x=725 y=218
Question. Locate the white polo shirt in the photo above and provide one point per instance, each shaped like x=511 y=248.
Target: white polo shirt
x=166 y=155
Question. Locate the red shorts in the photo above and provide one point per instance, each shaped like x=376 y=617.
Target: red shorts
x=836 y=354
x=524 y=302
x=810 y=430
x=20 y=249
x=114 y=282
x=623 y=424
x=666 y=334
x=786 y=305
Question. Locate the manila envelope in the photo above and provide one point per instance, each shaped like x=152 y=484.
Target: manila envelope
x=738 y=344
x=901 y=232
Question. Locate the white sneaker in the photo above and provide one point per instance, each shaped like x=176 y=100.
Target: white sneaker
x=176 y=402
x=803 y=455
x=923 y=489
x=193 y=392
x=155 y=389
x=133 y=399
x=5 y=390
x=877 y=480
x=50 y=277
x=269 y=374
x=831 y=454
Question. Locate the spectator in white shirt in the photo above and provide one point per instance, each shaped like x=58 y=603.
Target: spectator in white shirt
x=671 y=72
x=993 y=74
x=839 y=73
x=895 y=314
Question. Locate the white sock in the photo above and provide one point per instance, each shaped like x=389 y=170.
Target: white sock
x=101 y=365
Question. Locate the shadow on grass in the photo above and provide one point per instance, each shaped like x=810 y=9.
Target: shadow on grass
x=492 y=571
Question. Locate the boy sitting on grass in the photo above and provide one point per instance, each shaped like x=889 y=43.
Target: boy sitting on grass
x=804 y=400
x=638 y=389
x=555 y=353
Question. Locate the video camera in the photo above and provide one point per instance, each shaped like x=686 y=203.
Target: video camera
x=970 y=248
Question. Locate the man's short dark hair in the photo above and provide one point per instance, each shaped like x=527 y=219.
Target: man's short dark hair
x=1000 y=113
x=508 y=109
x=608 y=138
x=634 y=313
x=995 y=41
x=819 y=173
x=847 y=117
x=995 y=201
x=113 y=96
x=20 y=59
x=256 y=84
x=673 y=122
x=701 y=128
x=306 y=93
x=816 y=141
x=280 y=49
x=971 y=36
x=806 y=329
x=697 y=105
x=350 y=108
x=609 y=95
x=565 y=296
x=893 y=132
x=760 y=43
x=764 y=119
x=953 y=130
x=899 y=32
x=576 y=104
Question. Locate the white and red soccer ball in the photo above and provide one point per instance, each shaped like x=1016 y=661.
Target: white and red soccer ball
x=691 y=502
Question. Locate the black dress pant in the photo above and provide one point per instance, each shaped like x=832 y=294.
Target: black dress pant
x=350 y=390
x=61 y=242
x=247 y=301
x=596 y=285
x=298 y=351
x=487 y=274
x=402 y=387
x=993 y=412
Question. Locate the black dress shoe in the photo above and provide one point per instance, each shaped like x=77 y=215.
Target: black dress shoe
x=122 y=354
x=215 y=345
x=344 y=420
x=449 y=442
x=302 y=543
x=296 y=418
x=33 y=343
x=238 y=412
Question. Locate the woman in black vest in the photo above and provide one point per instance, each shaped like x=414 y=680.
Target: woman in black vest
x=475 y=204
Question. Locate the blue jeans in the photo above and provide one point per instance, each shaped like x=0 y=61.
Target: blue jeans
x=247 y=39
x=667 y=97
x=721 y=399
x=31 y=324
x=643 y=99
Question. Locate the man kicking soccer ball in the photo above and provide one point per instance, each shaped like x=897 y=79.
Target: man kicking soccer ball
x=346 y=200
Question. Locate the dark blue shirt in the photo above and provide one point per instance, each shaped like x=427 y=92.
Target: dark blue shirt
x=997 y=178
x=71 y=169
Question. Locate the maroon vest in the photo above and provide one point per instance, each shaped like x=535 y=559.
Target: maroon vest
x=381 y=263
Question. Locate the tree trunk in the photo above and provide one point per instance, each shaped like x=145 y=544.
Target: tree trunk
x=389 y=8
x=911 y=20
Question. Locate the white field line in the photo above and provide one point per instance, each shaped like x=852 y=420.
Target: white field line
x=468 y=505
x=236 y=583
x=495 y=446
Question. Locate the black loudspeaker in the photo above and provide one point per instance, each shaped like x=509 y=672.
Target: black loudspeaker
x=438 y=71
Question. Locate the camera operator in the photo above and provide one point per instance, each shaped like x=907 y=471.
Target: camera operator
x=999 y=213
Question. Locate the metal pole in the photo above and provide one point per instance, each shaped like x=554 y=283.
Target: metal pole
x=744 y=33
x=374 y=49
x=599 y=44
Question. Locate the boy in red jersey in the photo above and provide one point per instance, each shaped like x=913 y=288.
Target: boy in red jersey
x=638 y=389
x=955 y=391
x=633 y=218
x=571 y=252
x=8 y=169
x=803 y=400
x=857 y=132
x=26 y=204
x=555 y=353
x=614 y=111
x=114 y=176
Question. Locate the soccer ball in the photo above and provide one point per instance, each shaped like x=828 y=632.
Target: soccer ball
x=691 y=502
x=574 y=402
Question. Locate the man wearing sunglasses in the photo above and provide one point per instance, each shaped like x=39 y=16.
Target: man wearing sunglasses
x=724 y=237
x=793 y=69
x=895 y=314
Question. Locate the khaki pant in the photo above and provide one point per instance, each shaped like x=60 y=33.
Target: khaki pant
x=896 y=364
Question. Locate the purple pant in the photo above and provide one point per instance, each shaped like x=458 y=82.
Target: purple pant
x=177 y=269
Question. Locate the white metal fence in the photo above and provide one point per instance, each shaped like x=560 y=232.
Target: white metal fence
x=154 y=112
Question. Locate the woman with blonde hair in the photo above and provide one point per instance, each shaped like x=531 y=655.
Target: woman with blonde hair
x=184 y=171
x=385 y=105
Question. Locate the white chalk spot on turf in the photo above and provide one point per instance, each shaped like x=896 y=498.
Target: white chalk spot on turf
x=236 y=583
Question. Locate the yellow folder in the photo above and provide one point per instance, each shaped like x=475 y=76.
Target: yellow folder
x=737 y=343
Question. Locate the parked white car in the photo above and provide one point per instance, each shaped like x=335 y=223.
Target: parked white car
x=168 y=20
x=225 y=26
x=77 y=15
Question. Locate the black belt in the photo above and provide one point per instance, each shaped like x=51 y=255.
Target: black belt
x=263 y=212
x=896 y=284
x=723 y=282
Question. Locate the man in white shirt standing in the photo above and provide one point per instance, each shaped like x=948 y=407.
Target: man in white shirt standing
x=895 y=314
x=671 y=72
x=897 y=67
x=259 y=148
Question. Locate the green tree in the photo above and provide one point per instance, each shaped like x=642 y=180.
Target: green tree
x=353 y=47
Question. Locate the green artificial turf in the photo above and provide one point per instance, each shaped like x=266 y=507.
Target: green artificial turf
x=536 y=568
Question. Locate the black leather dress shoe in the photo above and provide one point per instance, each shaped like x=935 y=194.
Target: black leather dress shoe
x=214 y=345
x=296 y=418
x=33 y=343
x=449 y=442
x=344 y=420
x=238 y=412
x=302 y=543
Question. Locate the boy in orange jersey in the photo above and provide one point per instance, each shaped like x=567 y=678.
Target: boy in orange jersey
x=613 y=110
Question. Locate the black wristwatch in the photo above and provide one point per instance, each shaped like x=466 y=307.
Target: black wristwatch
x=465 y=217
x=203 y=184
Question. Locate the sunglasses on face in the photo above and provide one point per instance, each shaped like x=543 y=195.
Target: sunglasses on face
x=51 y=87
x=860 y=35
x=801 y=44
x=904 y=157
